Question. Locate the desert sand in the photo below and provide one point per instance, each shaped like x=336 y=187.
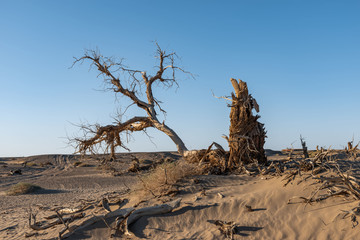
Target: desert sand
x=257 y=204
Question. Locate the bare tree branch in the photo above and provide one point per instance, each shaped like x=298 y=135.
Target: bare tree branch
x=128 y=83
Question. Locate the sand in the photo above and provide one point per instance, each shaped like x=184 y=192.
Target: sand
x=225 y=198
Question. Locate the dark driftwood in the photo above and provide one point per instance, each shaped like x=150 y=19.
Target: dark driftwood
x=247 y=135
x=304 y=147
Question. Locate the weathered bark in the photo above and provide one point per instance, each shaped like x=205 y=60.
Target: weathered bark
x=247 y=135
x=173 y=136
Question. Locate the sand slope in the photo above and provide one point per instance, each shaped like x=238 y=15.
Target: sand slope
x=272 y=218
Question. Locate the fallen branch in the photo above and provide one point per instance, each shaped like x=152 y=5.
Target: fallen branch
x=120 y=222
x=346 y=179
x=147 y=211
x=105 y=204
x=38 y=227
x=67 y=211
x=8 y=228
x=290 y=177
x=226 y=228
x=320 y=198
x=126 y=216
x=64 y=222
x=353 y=213
x=94 y=219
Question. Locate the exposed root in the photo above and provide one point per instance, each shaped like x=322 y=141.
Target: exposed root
x=226 y=228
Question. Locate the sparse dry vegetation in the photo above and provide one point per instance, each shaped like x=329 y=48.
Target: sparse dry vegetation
x=30 y=164
x=160 y=179
x=22 y=188
x=164 y=177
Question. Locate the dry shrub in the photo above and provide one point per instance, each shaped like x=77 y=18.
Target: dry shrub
x=22 y=188
x=31 y=164
x=46 y=164
x=163 y=178
x=106 y=168
x=195 y=156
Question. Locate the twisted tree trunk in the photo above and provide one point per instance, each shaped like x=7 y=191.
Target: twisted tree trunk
x=180 y=145
x=247 y=135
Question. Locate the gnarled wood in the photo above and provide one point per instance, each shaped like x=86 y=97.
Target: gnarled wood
x=247 y=135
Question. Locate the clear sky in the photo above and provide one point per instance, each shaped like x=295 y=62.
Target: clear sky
x=301 y=60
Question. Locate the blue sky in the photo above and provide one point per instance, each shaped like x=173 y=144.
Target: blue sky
x=300 y=59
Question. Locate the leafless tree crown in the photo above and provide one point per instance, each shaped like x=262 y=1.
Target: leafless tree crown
x=131 y=84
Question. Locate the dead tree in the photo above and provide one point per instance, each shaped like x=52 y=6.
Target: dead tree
x=247 y=135
x=132 y=84
x=304 y=147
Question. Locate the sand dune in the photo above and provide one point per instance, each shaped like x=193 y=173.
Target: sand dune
x=210 y=198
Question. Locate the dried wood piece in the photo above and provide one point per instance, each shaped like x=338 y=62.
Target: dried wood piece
x=320 y=198
x=147 y=211
x=37 y=226
x=9 y=228
x=249 y=208
x=65 y=223
x=290 y=176
x=278 y=169
x=346 y=179
x=135 y=166
x=220 y=195
x=268 y=169
x=105 y=204
x=352 y=150
x=321 y=155
x=318 y=170
x=120 y=224
x=126 y=217
x=244 y=169
x=226 y=228
x=67 y=211
x=211 y=160
x=353 y=215
x=94 y=219
x=208 y=156
x=34 y=234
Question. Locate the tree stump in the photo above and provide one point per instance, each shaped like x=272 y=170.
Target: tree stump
x=247 y=135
